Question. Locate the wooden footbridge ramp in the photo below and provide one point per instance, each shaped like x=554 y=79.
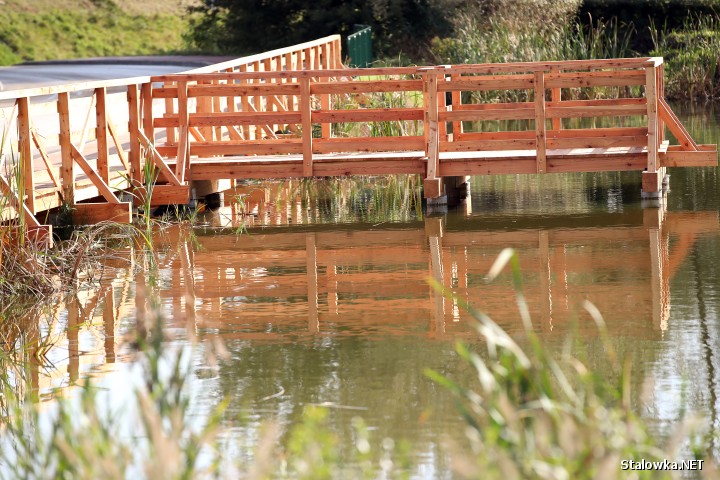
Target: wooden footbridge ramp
x=296 y=112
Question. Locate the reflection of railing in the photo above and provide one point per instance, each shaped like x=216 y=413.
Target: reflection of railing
x=292 y=136
x=355 y=281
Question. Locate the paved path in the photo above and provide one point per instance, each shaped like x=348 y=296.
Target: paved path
x=42 y=74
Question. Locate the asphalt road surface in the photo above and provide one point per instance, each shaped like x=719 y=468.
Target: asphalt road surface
x=59 y=73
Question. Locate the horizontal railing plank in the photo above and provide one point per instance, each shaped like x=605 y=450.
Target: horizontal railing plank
x=373 y=144
x=364 y=86
x=496 y=82
x=367 y=115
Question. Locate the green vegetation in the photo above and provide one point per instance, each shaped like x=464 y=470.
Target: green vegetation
x=45 y=30
x=688 y=38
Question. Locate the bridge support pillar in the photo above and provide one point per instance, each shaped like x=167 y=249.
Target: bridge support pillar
x=446 y=192
x=456 y=189
x=209 y=190
x=654 y=187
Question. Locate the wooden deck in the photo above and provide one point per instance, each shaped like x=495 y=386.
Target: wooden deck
x=296 y=112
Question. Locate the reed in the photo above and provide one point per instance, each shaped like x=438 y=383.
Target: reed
x=692 y=57
x=532 y=414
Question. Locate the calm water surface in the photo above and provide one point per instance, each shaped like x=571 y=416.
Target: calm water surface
x=328 y=303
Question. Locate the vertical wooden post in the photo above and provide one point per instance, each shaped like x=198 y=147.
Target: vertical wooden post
x=660 y=94
x=442 y=107
x=431 y=184
x=652 y=117
x=67 y=166
x=133 y=128
x=169 y=110
x=306 y=120
x=147 y=111
x=244 y=105
x=26 y=161
x=101 y=131
x=205 y=105
x=652 y=176
x=556 y=97
x=540 y=134
x=326 y=128
x=456 y=97
x=338 y=53
x=183 y=132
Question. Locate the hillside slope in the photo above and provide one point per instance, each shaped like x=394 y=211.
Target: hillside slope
x=61 y=29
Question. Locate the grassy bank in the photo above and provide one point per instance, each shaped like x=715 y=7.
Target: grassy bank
x=62 y=29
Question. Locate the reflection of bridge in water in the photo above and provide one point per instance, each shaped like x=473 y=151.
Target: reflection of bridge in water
x=283 y=284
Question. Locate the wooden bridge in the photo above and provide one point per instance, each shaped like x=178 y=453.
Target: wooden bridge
x=296 y=112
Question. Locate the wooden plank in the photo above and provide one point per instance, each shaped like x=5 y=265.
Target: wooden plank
x=596 y=111
x=92 y=213
x=183 y=150
x=689 y=159
x=651 y=112
x=467 y=115
x=503 y=135
x=431 y=182
x=596 y=163
x=306 y=122
x=234 y=147
x=616 y=78
x=147 y=111
x=101 y=132
x=488 y=145
x=158 y=161
x=555 y=98
x=102 y=187
x=231 y=118
x=540 y=145
x=46 y=160
x=456 y=100
x=204 y=108
x=357 y=86
x=372 y=144
x=598 y=132
x=25 y=152
x=675 y=126
x=164 y=195
x=605 y=102
x=67 y=166
x=495 y=82
x=19 y=206
x=236 y=90
x=133 y=129
x=597 y=142
x=368 y=115
x=473 y=166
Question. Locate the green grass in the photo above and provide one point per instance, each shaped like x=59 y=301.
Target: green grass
x=53 y=32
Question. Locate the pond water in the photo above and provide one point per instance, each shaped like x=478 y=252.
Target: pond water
x=327 y=301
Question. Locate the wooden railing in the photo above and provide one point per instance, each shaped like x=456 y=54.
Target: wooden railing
x=296 y=112
x=284 y=113
x=50 y=131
